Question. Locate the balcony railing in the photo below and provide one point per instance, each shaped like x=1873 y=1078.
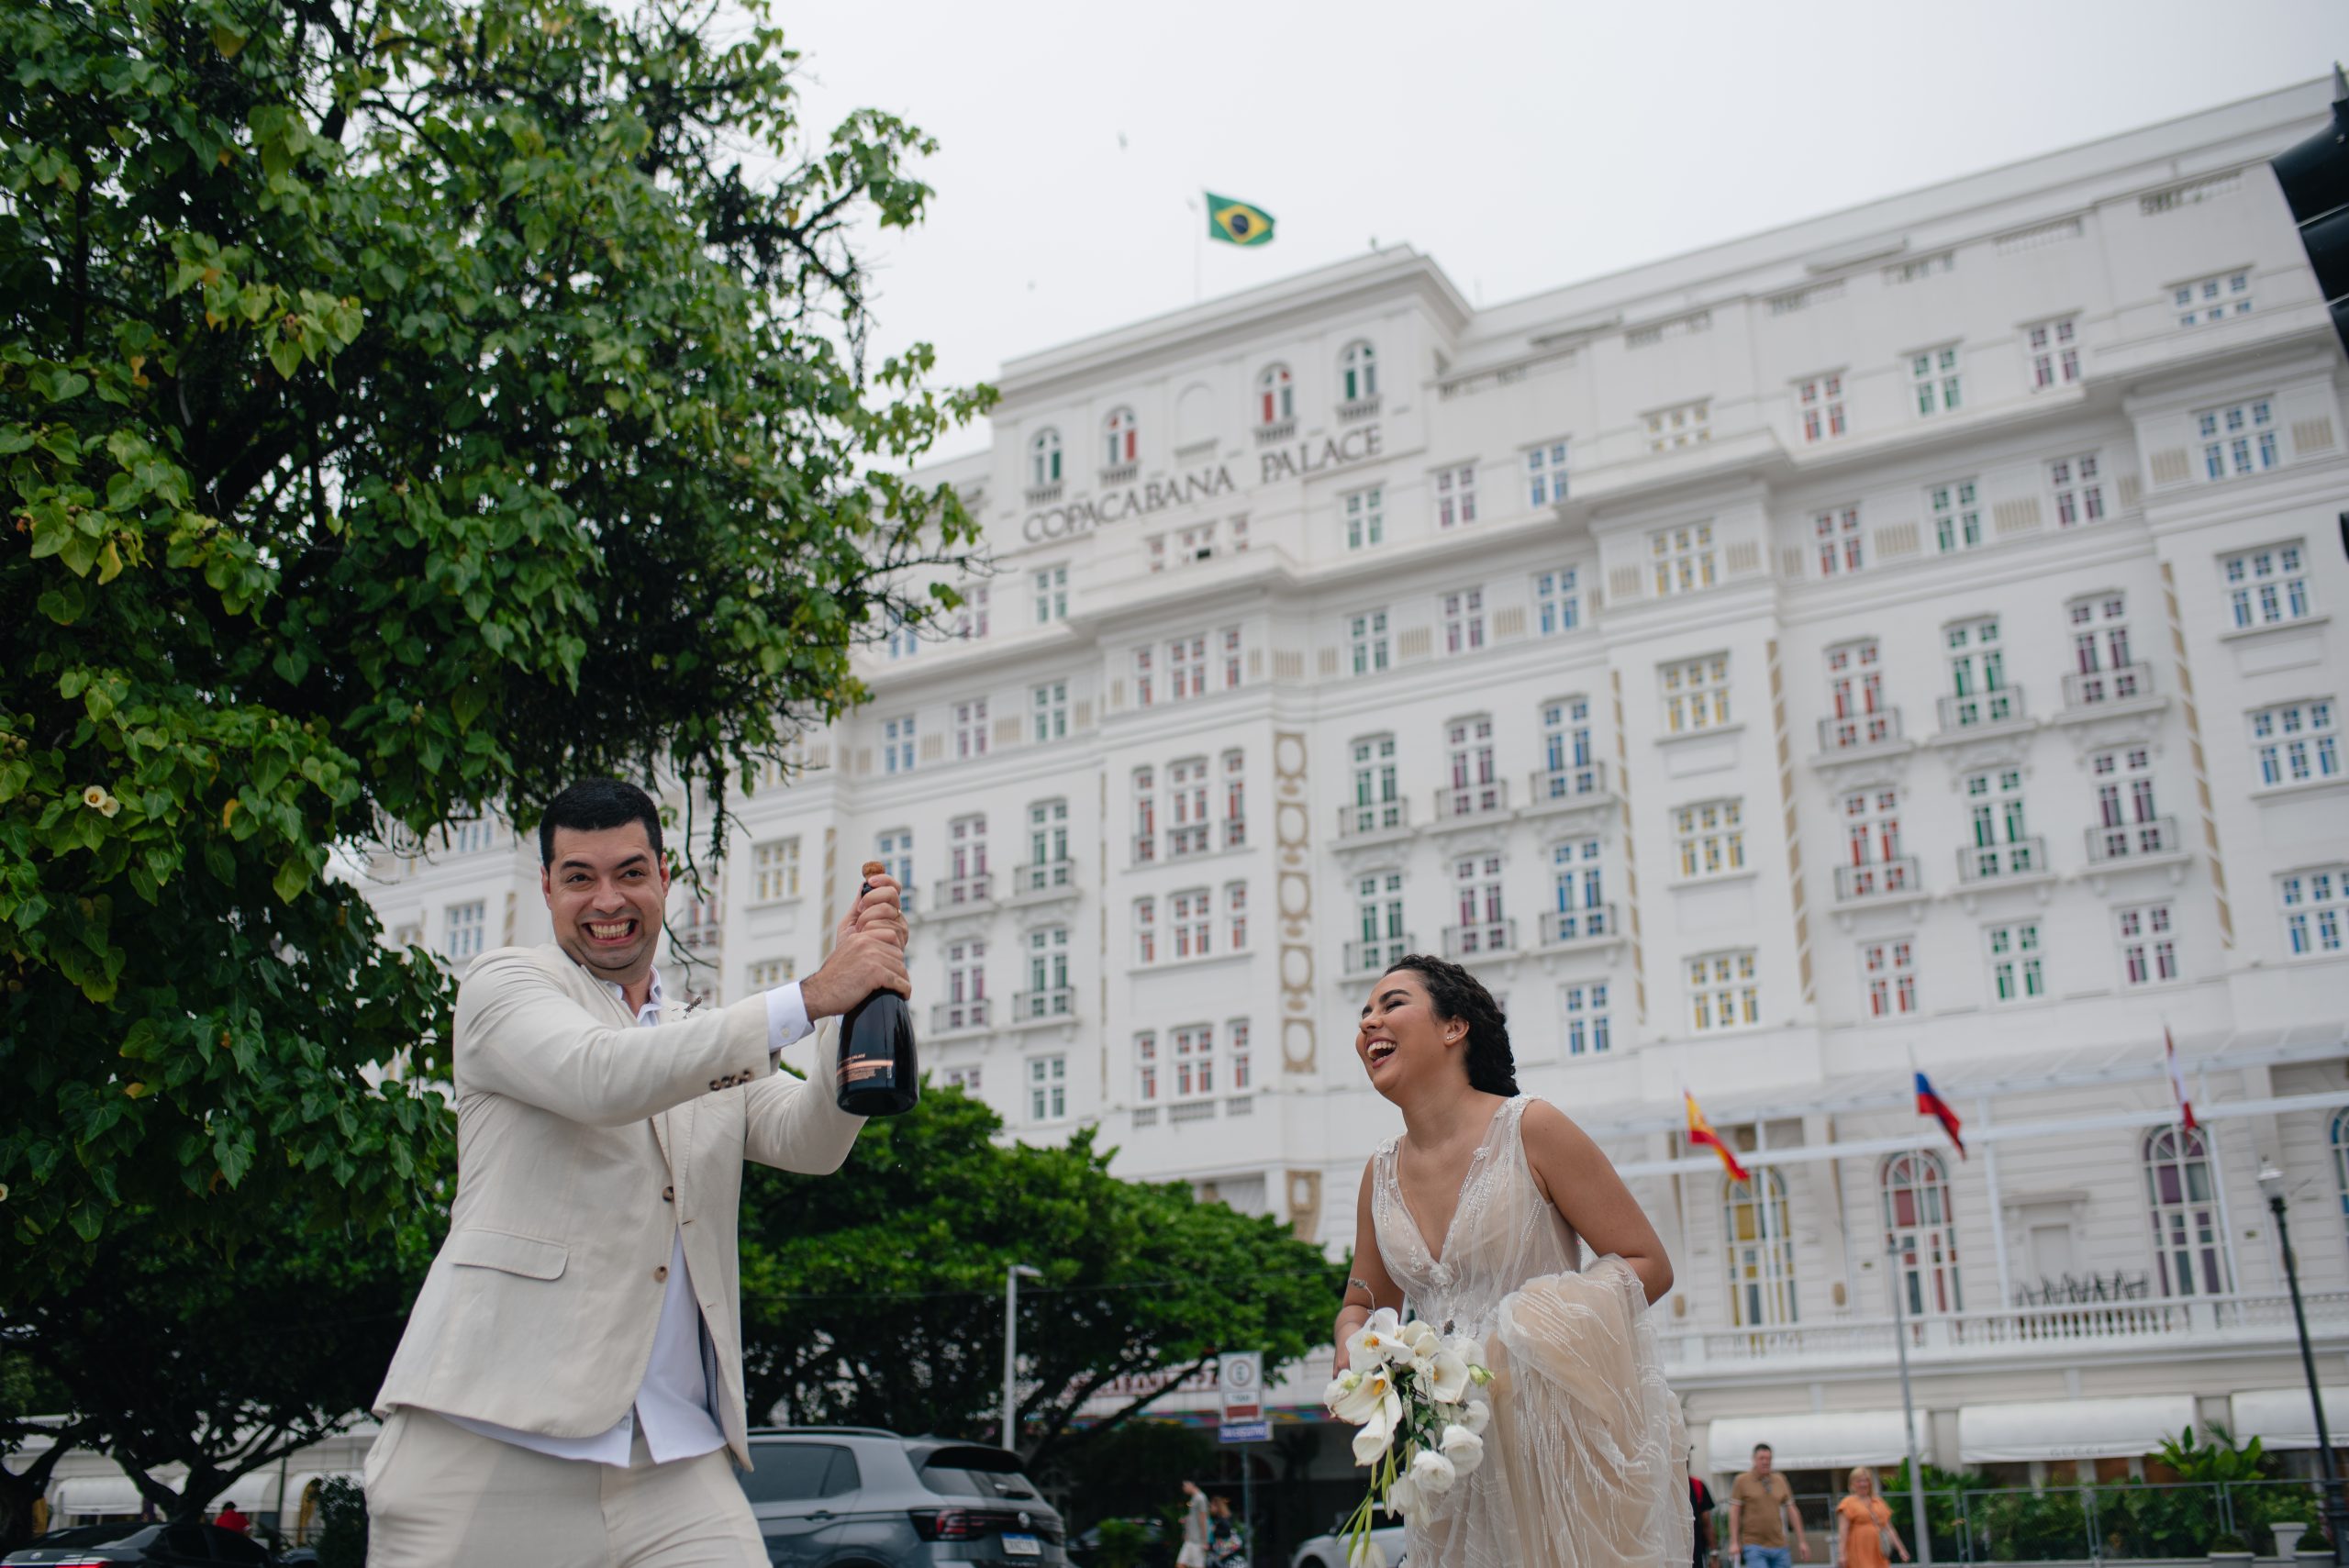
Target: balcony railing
x=1455 y=802
x=1191 y=839
x=1578 y=781
x=2094 y=688
x=976 y=892
x=2133 y=840
x=1982 y=710
x=1043 y=1006
x=955 y=1018
x=1378 y=957
x=1858 y=729
x=1044 y=879
x=1875 y=879
x=1989 y=862
x=2053 y=1332
x=1363 y=820
x=1484 y=937
x=1591 y=923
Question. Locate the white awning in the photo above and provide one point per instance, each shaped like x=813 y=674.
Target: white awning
x=79 y=1494
x=2071 y=1429
x=2285 y=1418
x=1814 y=1439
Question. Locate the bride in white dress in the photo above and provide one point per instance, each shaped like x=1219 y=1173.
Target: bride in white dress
x=1476 y=1219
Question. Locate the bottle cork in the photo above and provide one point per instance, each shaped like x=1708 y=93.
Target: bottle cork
x=874 y=869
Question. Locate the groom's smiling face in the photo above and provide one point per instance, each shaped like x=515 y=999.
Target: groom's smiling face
x=606 y=890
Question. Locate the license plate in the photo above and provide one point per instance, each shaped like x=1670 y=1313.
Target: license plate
x=1022 y=1546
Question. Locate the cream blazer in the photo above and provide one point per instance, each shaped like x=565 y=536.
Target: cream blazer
x=586 y=1144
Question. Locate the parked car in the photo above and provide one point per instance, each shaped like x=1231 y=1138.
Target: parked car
x=1154 y=1536
x=860 y=1498
x=162 y=1546
x=1330 y=1551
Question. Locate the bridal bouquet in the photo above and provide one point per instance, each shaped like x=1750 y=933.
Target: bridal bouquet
x=1417 y=1398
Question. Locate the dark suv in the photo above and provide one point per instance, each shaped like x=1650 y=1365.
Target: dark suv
x=859 y=1497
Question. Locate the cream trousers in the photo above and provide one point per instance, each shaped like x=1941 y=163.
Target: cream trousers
x=439 y=1495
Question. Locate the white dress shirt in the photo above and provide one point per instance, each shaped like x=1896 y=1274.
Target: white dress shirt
x=674 y=1402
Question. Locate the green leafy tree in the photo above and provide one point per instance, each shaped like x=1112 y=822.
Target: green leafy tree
x=170 y=1351
x=405 y=405
x=876 y=1295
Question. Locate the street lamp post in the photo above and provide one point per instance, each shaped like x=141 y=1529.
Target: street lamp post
x=1012 y=1352
x=1924 y=1553
x=2336 y=1516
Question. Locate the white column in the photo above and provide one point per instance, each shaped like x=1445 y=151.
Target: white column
x=2219 y=1185
x=1997 y=1211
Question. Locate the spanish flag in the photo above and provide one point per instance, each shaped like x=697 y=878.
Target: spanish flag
x=1237 y=223
x=1701 y=1134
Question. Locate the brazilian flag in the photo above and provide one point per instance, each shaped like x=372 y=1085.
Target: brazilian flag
x=1237 y=223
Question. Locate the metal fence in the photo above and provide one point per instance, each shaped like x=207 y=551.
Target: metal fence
x=2084 y=1521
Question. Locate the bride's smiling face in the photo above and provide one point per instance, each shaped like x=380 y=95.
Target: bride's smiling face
x=1400 y=1040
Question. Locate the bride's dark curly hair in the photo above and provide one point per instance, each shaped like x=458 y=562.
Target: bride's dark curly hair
x=1458 y=994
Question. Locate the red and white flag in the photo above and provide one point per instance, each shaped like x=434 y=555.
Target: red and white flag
x=2177 y=1081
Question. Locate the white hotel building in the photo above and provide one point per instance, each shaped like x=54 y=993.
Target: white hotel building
x=1902 y=640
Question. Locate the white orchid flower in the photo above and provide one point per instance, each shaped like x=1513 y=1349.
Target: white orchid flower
x=1378 y=1340
x=1448 y=1376
x=1345 y=1383
x=1464 y=1448
x=1373 y=1391
x=1435 y=1474
x=1376 y=1432
x=1418 y=1335
x=1476 y=1415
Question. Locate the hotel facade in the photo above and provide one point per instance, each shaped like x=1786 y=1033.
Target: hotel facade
x=1899 y=642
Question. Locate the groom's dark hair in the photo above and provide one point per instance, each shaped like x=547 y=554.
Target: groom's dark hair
x=591 y=805
x=1456 y=994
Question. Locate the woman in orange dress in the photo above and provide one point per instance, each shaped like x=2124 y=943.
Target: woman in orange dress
x=1864 y=1524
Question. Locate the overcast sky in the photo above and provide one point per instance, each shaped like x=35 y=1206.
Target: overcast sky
x=1523 y=146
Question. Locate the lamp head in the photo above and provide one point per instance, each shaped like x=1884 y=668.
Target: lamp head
x=2271 y=1184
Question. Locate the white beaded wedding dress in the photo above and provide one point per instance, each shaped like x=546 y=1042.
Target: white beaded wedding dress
x=1585 y=1459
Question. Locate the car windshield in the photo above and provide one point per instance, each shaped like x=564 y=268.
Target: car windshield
x=960 y=1481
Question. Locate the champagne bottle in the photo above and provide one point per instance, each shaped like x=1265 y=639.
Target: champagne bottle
x=878 y=1074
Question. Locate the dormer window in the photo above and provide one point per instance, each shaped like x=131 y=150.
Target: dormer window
x=1275 y=396
x=1119 y=433
x=1045 y=459
x=1358 y=372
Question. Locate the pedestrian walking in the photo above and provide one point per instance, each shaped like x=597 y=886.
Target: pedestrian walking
x=1227 y=1548
x=1700 y=1504
x=1864 y=1534
x=1195 y=1528
x=1760 y=1510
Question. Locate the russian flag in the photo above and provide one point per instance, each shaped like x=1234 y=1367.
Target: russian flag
x=1932 y=1104
x=2177 y=1081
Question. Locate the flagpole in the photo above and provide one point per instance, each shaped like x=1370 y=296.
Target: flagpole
x=1923 y=1554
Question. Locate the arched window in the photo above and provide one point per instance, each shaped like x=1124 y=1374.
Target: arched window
x=1275 y=396
x=1119 y=430
x=2341 y=1163
x=1760 y=1250
x=1044 y=458
x=2184 y=1207
x=1921 y=1232
x=1358 y=372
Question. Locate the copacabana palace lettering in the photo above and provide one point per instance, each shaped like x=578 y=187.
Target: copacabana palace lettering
x=1083 y=516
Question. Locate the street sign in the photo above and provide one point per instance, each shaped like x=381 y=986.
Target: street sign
x=1241 y=1380
x=1245 y=1432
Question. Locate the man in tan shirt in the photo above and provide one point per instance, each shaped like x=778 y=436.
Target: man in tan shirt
x=1760 y=1510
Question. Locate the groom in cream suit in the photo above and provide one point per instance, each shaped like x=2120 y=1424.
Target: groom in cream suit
x=570 y=1385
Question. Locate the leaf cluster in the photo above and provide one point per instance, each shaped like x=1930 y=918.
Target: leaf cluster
x=405 y=406
x=876 y=1295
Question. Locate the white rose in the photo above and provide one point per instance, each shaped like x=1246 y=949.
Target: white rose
x=1464 y=1448
x=1433 y=1472
x=1477 y=1415
x=1365 y=1552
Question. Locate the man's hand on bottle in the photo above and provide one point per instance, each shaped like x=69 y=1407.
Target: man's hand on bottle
x=868 y=955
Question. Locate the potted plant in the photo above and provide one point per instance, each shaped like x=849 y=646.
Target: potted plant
x=2287 y=1537
x=2314 y=1547
x=2228 y=1547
